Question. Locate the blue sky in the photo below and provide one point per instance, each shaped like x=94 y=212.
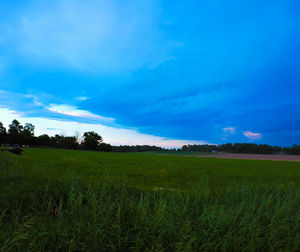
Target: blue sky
x=161 y=72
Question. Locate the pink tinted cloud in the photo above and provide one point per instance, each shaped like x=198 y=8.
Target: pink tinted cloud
x=252 y=135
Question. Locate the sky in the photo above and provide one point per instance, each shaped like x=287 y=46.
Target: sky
x=163 y=73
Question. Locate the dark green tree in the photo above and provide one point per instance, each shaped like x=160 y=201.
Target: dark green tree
x=29 y=129
x=69 y=143
x=15 y=132
x=294 y=150
x=28 y=134
x=3 y=134
x=59 y=140
x=105 y=147
x=43 y=140
x=91 y=140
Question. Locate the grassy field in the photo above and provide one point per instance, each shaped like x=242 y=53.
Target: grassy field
x=145 y=201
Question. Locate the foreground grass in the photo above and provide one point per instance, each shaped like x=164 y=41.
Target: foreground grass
x=149 y=171
x=100 y=214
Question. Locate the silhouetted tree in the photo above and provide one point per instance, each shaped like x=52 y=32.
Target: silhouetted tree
x=234 y=148
x=58 y=141
x=105 y=147
x=294 y=150
x=28 y=134
x=15 y=132
x=53 y=141
x=43 y=140
x=135 y=148
x=199 y=148
x=277 y=149
x=29 y=129
x=69 y=142
x=91 y=140
x=226 y=147
x=3 y=134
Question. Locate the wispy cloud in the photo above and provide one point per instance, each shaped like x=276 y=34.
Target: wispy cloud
x=33 y=105
x=56 y=129
x=35 y=99
x=74 y=111
x=81 y=98
x=229 y=130
x=10 y=114
x=251 y=135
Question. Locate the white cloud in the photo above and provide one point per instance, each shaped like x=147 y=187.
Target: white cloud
x=35 y=99
x=252 y=135
x=81 y=98
x=73 y=111
x=229 y=130
x=15 y=101
x=37 y=103
x=7 y=115
x=114 y=136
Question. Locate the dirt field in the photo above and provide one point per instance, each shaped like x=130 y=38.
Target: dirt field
x=295 y=158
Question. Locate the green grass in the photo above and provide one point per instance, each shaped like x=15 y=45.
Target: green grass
x=181 y=153
x=140 y=202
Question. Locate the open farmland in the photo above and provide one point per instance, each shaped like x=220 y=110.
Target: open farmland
x=136 y=201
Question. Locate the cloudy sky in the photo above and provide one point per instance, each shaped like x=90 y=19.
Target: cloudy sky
x=153 y=72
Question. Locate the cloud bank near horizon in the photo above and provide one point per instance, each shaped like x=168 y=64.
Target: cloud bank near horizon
x=111 y=135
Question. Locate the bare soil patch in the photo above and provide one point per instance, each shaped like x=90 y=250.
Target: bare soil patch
x=295 y=158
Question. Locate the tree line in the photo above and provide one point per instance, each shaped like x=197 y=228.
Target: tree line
x=136 y=148
x=17 y=134
x=246 y=148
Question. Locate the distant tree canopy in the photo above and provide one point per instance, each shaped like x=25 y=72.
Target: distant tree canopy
x=200 y=148
x=28 y=134
x=43 y=140
x=249 y=148
x=105 y=147
x=92 y=140
x=17 y=134
x=294 y=150
x=3 y=134
x=234 y=148
x=136 y=148
x=58 y=141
